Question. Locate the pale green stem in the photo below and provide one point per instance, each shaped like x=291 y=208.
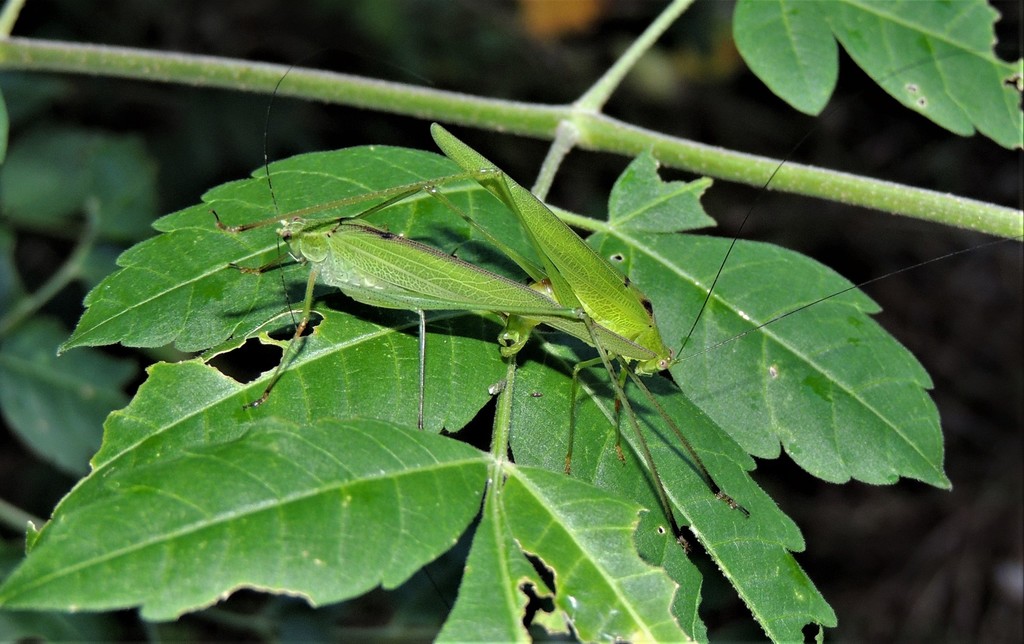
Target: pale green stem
x=9 y=16
x=500 y=435
x=595 y=97
x=69 y=270
x=503 y=422
x=15 y=518
x=597 y=131
x=565 y=139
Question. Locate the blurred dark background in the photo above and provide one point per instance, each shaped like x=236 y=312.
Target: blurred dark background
x=905 y=562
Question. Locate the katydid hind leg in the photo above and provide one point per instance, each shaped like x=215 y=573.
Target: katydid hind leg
x=423 y=367
x=695 y=458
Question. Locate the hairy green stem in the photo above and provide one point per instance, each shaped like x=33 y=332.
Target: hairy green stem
x=503 y=421
x=597 y=131
x=565 y=140
x=566 y=135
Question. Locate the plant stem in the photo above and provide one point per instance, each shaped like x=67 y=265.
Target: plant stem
x=595 y=97
x=68 y=271
x=9 y=15
x=566 y=135
x=15 y=518
x=597 y=131
x=503 y=422
x=565 y=139
x=603 y=133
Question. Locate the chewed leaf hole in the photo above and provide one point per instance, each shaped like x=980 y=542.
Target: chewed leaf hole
x=255 y=357
x=617 y=257
x=540 y=599
x=248 y=361
x=546 y=574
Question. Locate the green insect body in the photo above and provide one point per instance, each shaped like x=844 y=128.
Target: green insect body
x=379 y=268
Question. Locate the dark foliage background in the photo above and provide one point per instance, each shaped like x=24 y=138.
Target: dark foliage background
x=906 y=562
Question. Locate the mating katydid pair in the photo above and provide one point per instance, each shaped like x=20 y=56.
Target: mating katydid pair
x=574 y=290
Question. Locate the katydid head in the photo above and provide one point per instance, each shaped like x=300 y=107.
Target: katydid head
x=654 y=365
x=303 y=245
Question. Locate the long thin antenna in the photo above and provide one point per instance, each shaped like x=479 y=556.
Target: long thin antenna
x=847 y=290
x=266 y=137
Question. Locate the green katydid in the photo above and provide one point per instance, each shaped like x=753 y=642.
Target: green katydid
x=379 y=268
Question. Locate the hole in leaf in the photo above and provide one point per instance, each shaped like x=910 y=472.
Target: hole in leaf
x=535 y=604
x=812 y=632
x=477 y=432
x=247 y=362
x=546 y=574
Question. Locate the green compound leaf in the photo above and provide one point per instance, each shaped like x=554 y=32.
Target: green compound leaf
x=935 y=58
x=798 y=384
x=839 y=393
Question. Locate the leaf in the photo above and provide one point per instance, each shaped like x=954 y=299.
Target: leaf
x=54 y=174
x=347 y=367
x=935 y=58
x=179 y=288
x=788 y=45
x=57 y=405
x=641 y=201
x=491 y=603
x=50 y=626
x=842 y=396
x=666 y=553
x=326 y=510
x=738 y=545
x=604 y=590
